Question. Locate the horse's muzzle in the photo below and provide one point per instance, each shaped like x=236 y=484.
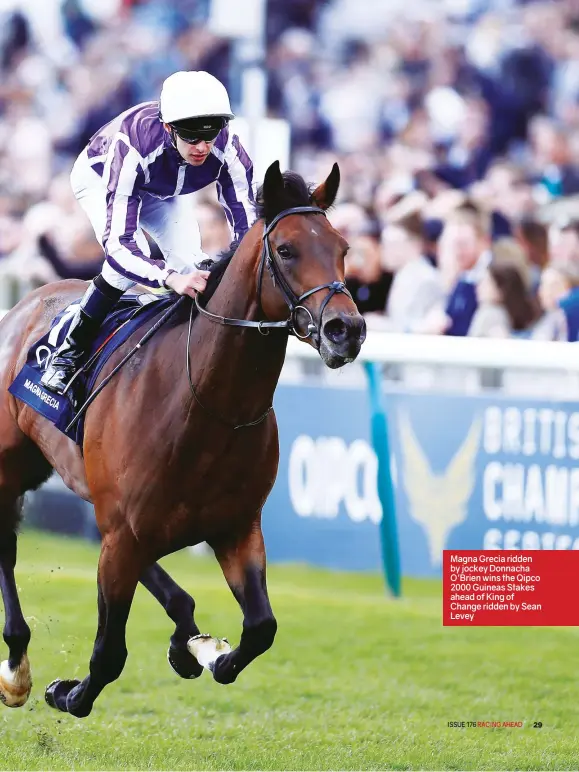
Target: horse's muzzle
x=341 y=339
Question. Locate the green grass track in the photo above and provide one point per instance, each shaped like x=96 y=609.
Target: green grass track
x=355 y=681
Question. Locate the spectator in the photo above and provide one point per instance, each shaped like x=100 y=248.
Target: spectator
x=570 y=307
x=351 y=104
x=465 y=111
x=564 y=243
x=417 y=285
x=26 y=150
x=551 y=158
x=469 y=156
x=291 y=86
x=464 y=254
x=557 y=283
x=59 y=230
x=504 y=305
x=507 y=190
x=368 y=282
x=533 y=238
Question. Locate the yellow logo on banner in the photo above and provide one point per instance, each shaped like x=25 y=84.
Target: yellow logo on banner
x=438 y=501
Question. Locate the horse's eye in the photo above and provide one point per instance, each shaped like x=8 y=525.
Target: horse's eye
x=285 y=252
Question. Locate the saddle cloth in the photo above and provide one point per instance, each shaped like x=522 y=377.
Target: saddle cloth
x=129 y=314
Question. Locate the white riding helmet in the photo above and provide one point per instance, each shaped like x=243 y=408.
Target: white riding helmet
x=191 y=95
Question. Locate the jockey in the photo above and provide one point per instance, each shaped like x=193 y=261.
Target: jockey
x=127 y=179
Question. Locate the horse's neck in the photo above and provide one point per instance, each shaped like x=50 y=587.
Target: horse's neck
x=237 y=369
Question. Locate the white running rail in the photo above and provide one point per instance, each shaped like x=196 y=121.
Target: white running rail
x=396 y=348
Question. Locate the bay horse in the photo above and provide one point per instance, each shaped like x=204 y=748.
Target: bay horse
x=171 y=461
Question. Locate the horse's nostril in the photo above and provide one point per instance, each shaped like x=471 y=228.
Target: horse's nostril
x=336 y=330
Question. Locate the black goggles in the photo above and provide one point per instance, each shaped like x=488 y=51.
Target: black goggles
x=203 y=131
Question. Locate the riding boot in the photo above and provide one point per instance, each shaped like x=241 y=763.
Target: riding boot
x=96 y=304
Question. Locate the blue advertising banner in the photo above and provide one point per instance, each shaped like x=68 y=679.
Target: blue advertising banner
x=324 y=508
x=473 y=472
x=469 y=472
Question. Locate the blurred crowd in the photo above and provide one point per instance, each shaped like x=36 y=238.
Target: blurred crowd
x=455 y=123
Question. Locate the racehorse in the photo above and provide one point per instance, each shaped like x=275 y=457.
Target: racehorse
x=181 y=446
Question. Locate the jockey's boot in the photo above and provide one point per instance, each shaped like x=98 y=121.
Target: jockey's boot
x=96 y=304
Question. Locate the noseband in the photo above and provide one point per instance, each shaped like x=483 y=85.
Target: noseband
x=293 y=302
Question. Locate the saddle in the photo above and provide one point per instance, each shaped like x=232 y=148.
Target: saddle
x=130 y=313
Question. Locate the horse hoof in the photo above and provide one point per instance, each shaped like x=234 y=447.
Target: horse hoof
x=57 y=692
x=224 y=670
x=206 y=649
x=76 y=703
x=15 y=685
x=184 y=663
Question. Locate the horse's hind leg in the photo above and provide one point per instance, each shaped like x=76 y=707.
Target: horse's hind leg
x=120 y=565
x=22 y=467
x=15 y=680
x=243 y=565
x=180 y=607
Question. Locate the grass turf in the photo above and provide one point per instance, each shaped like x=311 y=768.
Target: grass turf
x=354 y=680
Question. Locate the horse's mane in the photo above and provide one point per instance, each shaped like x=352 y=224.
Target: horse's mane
x=295 y=192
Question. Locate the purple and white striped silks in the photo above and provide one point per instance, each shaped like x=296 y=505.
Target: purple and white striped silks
x=133 y=155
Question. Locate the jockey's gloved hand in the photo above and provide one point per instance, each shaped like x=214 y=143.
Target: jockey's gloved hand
x=188 y=283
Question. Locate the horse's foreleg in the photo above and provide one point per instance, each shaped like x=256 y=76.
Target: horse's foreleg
x=15 y=680
x=180 y=607
x=243 y=565
x=120 y=565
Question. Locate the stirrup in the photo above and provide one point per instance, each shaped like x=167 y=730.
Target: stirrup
x=57 y=379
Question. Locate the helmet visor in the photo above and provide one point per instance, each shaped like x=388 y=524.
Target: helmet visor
x=194 y=130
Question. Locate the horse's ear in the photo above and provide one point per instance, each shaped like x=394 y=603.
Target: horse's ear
x=325 y=194
x=272 y=182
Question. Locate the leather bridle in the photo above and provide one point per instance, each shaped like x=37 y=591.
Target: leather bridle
x=293 y=302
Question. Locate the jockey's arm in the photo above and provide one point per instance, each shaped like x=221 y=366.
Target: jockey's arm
x=234 y=188
x=120 y=240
